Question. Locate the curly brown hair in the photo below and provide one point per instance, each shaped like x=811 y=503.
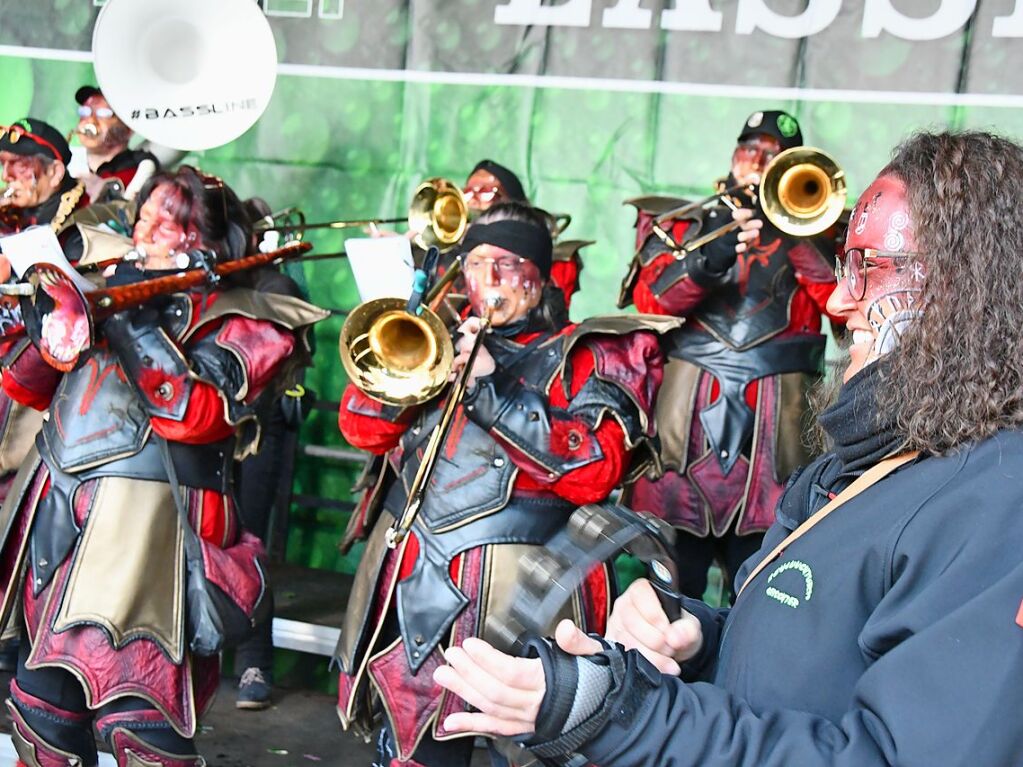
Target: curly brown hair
x=957 y=375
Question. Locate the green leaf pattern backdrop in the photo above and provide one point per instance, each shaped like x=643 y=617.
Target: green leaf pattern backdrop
x=394 y=91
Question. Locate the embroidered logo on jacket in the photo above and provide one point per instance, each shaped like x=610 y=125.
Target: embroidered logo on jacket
x=784 y=597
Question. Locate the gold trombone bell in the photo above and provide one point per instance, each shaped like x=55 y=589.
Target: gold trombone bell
x=803 y=191
x=395 y=357
x=438 y=213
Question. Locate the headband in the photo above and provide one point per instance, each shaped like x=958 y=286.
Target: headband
x=527 y=241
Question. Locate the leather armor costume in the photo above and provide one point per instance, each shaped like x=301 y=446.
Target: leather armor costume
x=737 y=374
x=19 y=423
x=477 y=517
x=105 y=592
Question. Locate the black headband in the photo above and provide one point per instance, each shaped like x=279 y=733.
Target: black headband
x=512 y=186
x=527 y=241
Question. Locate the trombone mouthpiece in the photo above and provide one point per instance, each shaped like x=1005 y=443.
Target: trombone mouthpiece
x=493 y=302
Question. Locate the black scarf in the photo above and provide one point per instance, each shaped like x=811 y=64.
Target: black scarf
x=861 y=436
x=860 y=433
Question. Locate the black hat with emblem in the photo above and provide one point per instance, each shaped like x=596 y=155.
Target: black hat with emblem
x=30 y=136
x=774 y=122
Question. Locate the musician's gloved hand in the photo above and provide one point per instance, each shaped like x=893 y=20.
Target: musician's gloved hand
x=638 y=622
x=749 y=229
x=151 y=360
x=484 y=365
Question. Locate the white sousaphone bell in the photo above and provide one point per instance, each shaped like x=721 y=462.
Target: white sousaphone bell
x=186 y=74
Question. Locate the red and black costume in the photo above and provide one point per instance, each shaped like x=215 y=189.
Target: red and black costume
x=103 y=585
x=125 y=164
x=19 y=424
x=554 y=426
x=730 y=416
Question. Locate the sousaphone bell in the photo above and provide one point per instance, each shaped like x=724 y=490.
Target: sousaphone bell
x=186 y=74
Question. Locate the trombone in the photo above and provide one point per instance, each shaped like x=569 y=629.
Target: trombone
x=402 y=358
x=802 y=193
x=437 y=213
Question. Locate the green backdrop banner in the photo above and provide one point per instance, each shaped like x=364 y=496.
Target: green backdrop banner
x=590 y=102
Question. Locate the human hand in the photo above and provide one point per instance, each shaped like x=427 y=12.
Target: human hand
x=749 y=228
x=484 y=364
x=506 y=691
x=639 y=623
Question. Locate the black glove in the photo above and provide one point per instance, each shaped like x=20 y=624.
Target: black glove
x=719 y=255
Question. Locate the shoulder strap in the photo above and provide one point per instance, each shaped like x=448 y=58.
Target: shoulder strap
x=871 y=476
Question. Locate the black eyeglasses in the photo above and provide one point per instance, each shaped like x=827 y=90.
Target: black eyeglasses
x=852 y=267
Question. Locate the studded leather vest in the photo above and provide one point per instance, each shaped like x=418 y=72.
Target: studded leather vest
x=473 y=476
x=95 y=414
x=753 y=305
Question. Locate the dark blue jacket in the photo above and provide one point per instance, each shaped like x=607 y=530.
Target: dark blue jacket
x=890 y=634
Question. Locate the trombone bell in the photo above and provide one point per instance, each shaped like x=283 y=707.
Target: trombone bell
x=803 y=191
x=395 y=357
x=439 y=214
x=402 y=341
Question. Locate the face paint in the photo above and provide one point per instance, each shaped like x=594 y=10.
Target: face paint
x=158 y=234
x=752 y=156
x=99 y=129
x=881 y=278
x=28 y=183
x=481 y=190
x=501 y=282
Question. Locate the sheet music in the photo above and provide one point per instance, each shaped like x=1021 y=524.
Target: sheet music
x=382 y=266
x=38 y=244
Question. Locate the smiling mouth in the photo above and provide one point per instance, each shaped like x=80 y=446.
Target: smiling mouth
x=862 y=336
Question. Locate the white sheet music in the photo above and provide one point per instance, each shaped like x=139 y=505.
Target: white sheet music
x=382 y=266
x=38 y=244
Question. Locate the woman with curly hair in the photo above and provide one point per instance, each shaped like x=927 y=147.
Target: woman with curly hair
x=881 y=622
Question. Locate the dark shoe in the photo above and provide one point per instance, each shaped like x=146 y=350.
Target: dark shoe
x=253 y=690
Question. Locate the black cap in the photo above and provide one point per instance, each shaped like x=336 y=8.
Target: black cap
x=781 y=125
x=30 y=136
x=512 y=186
x=86 y=92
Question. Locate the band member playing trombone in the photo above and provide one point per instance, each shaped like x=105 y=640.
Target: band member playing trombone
x=731 y=409
x=105 y=138
x=491 y=183
x=130 y=489
x=550 y=417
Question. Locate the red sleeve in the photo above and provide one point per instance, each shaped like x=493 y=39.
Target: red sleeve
x=205 y=418
x=815 y=276
x=678 y=300
x=565 y=274
x=595 y=481
x=363 y=424
x=30 y=381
